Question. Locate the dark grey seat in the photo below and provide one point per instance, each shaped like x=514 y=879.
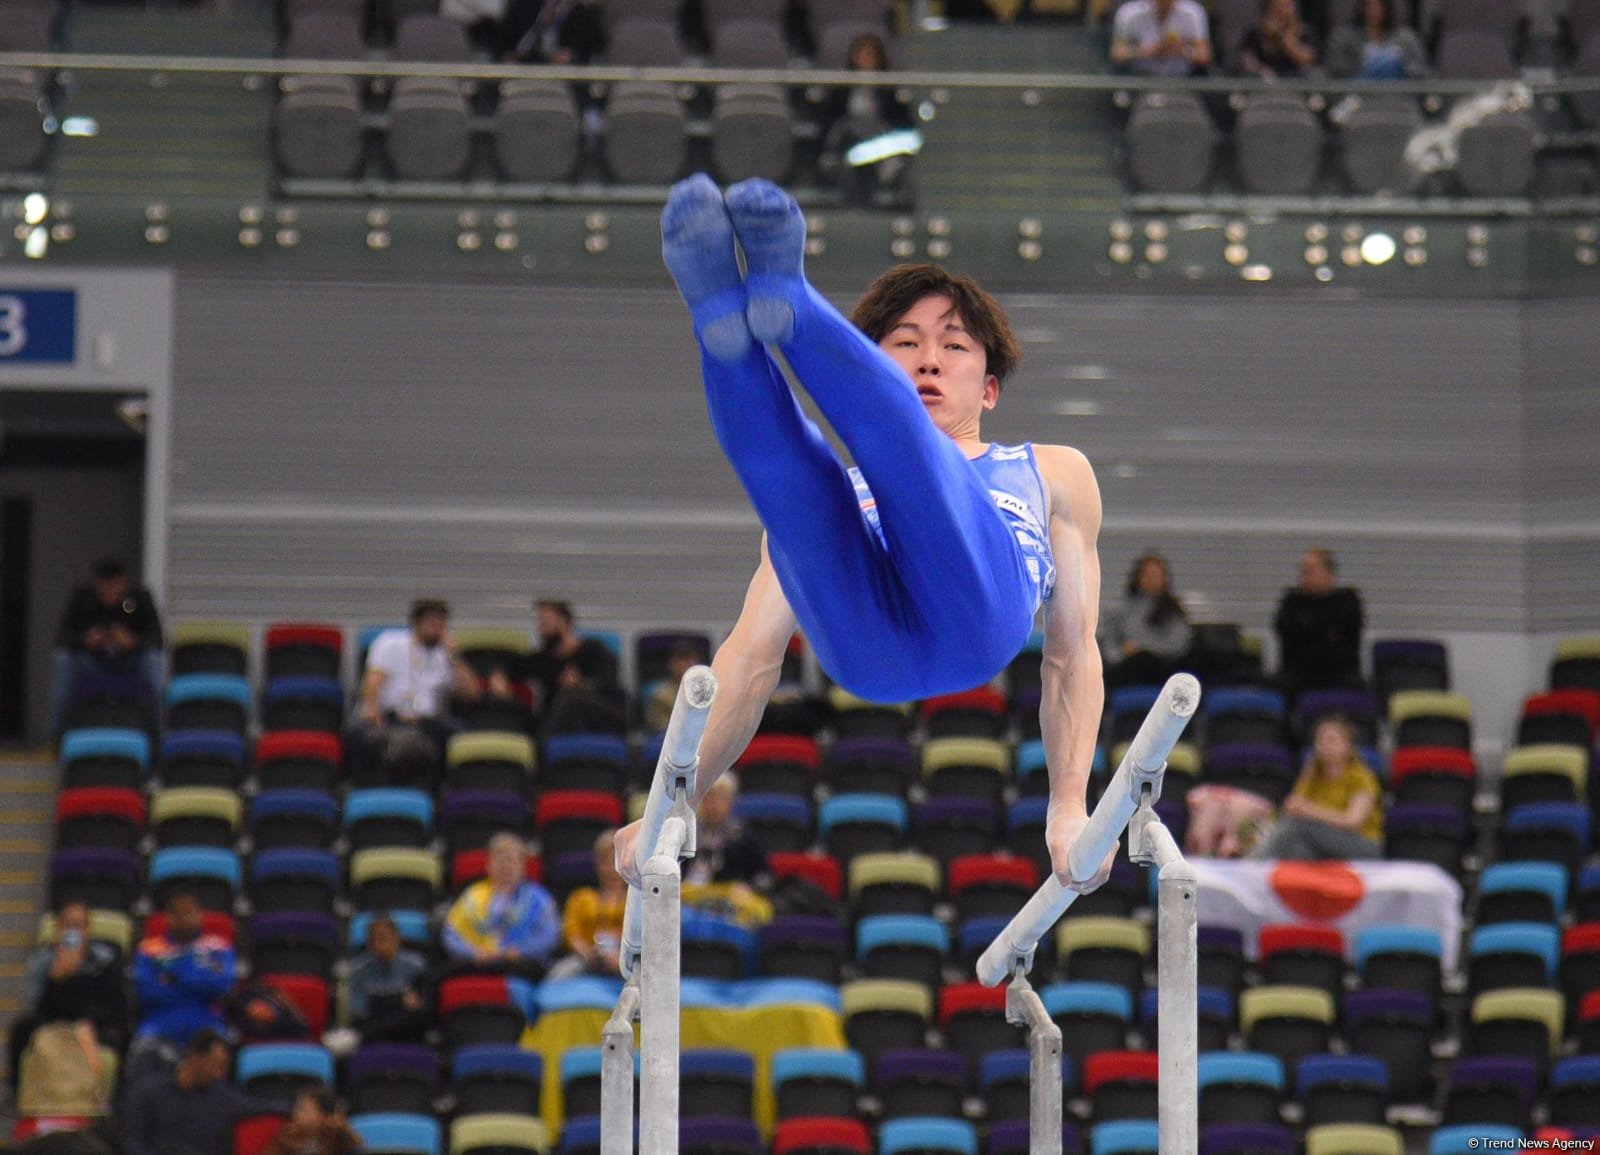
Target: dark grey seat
x=751 y=133
x=1278 y=146
x=720 y=12
x=24 y=28
x=1171 y=143
x=430 y=39
x=294 y=10
x=22 y=137
x=1586 y=64
x=537 y=131
x=1232 y=22
x=325 y=34
x=749 y=44
x=619 y=10
x=1476 y=54
x=429 y=135
x=825 y=12
x=645 y=141
x=1496 y=156
x=644 y=42
x=834 y=39
x=1373 y=143
x=316 y=127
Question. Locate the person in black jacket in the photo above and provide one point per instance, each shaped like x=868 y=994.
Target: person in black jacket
x=1319 y=630
x=108 y=627
x=72 y=979
x=855 y=114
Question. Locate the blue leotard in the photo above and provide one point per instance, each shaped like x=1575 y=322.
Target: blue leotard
x=935 y=589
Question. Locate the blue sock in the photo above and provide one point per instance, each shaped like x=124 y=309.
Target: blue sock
x=772 y=233
x=697 y=246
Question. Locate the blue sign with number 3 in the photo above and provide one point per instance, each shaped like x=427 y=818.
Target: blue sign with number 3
x=38 y=326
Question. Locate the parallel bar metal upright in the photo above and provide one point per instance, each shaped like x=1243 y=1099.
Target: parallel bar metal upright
x=651 y=942
x=1128 y=803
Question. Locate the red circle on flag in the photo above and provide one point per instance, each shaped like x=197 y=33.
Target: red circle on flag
x=1322 y=891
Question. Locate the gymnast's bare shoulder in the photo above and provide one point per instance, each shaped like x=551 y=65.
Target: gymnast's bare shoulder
x=1071 y=488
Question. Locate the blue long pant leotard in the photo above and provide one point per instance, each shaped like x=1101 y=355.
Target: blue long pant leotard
x=943 y=600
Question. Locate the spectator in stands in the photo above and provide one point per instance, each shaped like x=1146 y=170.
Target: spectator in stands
x=108 y=628
x=723 y=851
x=1145 y=638
x=554 y=31
x=71 y=979
x=658 y=707
x=317 y=1127
x=1161 y=38
x=1376 y=46
x=181 y=975
x=411 y=675
x=190 y=1110
x=1319 y=629
x=856 y=114
x=591 y=921
x=387 y=988
x=575 y=681
x=1279 y=45
x=504 y=922
x=1336 y=807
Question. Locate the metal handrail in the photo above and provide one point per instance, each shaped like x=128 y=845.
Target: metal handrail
x=787 y=77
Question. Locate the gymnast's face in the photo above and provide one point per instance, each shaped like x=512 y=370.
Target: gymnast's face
x=946 y=363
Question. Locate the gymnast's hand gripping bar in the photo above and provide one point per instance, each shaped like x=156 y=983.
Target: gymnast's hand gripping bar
x=1141 y=766
x=673 y=783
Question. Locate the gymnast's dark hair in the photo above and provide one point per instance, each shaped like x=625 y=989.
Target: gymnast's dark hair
x=1166 y=606
x=893 y=294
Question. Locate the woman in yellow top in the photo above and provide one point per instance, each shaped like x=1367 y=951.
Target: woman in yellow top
x=591 y=921
x=1336 y=807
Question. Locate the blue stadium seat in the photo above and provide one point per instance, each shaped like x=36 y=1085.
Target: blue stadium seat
x=853 y=824
x=1239 y=1087
x=212 y=874
x=104 y=757
x=386 y=817
x=412 y=925
x=903 y=946
x=1218 y=1016
x=1574 y=1096
x=201 y=758
x=496 y=1078
x=303 y=702
x=1555 y=832
x=294 y=878
x=280 y=1071
x=809 y=1082
x=1004 y=1082
x=1246 y=1139
x=716 y=1082
x=1521 y=892
x=1395 y=957
x=397 y=1134
x=284 y=819
x=1125 y=1137
x=1469 y=1138
x=1342 y=1089
x=1512 y=954
x=208 y=702
x=927 y=1137
x=780 y=822
x=714 y=948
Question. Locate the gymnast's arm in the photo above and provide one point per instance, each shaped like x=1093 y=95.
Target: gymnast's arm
x=1070 y=674
x=747 y=666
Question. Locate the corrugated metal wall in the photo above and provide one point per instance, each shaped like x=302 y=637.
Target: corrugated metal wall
x=343 y=446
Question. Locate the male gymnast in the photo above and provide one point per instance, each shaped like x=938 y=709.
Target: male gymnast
x=920 y=571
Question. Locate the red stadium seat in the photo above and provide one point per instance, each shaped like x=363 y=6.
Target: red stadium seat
x=478 y=1009
x=1121 y=1084
x=300 y=648
x=1433 y=774
x=211 y=922
x=779 y=764
x=298 y=759
x=103 y=816
x=821 y=870
x=471 y=866
x=979 y=713
x=1299 y=955
x=984 y=884
x=254 y=1134
x=972 y=1018
x=568 y=821
x=812 y=1135
x=309 y=995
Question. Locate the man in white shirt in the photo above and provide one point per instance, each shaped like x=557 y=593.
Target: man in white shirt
x=1161 y=38
x=412 y=674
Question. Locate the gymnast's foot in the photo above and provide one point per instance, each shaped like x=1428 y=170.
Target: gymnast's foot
x=772 y=233
x=697 y=245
